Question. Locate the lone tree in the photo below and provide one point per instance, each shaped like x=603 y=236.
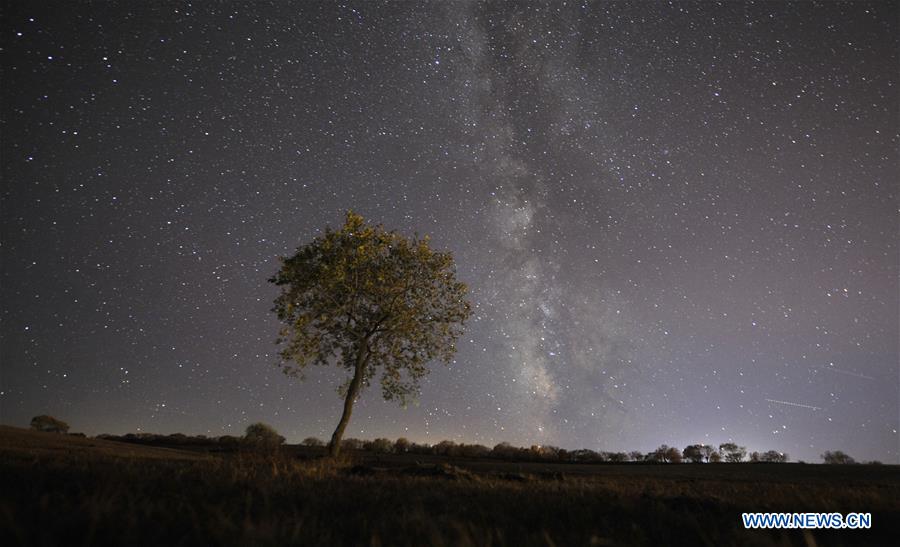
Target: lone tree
x=371 y=301
x=49 y=424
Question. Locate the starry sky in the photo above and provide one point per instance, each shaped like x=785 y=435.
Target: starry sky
x=678 y=221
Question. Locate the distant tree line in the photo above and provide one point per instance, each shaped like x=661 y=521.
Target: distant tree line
x=257 y=436
x=695 y=453
x=175 y=439
x=726 y=452
x=263 y=436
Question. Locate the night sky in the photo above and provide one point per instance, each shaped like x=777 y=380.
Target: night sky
x=678 y=222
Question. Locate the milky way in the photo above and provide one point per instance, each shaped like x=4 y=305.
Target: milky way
x=678 y=222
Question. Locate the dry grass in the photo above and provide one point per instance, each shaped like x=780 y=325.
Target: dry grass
x=112 y=494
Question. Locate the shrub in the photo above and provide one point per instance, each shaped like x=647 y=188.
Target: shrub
x=837 y=457
x=693 y=453
x=473 y=450
x=584 y=455
x=445 y=448
x=262 y=436
x=504 y=450
x=351 y=444
x=228 y=441
x=401 y=445
x=380 y=446
x=732 y=453
x=49 y=424
x=773 y=456
x=543 y=452
x=664 y=454
x=417 y=448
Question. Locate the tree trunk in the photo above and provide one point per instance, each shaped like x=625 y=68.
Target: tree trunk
x=334 y=447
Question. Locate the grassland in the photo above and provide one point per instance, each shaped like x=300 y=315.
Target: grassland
x=62 y=490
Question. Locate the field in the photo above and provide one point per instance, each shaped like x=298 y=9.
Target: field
x=60 y=489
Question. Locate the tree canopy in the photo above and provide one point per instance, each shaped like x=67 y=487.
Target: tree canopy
x=372 y=301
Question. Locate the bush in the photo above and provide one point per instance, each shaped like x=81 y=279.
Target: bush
x=664 y=454
x=473 y=451
x=505 y=450
x=262 y=436
x=49 y=424
x=732 y=453
x=445 y=448
x=543 y=452
x=693 y=453
x=228 y=441
x=401 y=445
x=837 y=457
x=380 y=446
x=313 y=441
x=584 y=455
x=417 y=448
x=351 y=444
x=773 y=456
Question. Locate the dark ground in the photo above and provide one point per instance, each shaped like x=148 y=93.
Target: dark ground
x=67 y=490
